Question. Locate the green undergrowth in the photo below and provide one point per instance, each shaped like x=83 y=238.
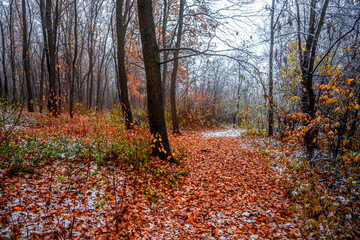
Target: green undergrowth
x=95 y=139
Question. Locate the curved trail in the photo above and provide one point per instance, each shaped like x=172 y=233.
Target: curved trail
x=231 y=194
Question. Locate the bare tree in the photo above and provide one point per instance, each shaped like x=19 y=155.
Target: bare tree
x=26 y=59
x=73 y=67
x=49 y=33
x=6 y=87
x=175 y=120
x=307 y=60
x=12 y=52
x=123 y=16
x=164 y=45
x=271 y=80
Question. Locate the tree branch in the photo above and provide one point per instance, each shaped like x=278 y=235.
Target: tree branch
x=329 y=50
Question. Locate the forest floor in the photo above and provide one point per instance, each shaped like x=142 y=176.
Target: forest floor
x=224 y=188
x=231 y=193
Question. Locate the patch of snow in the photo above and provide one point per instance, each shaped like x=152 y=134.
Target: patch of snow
x=38 y=215
x=231 y=132
x=246 y=214
x=343 y=200
x=294 y=193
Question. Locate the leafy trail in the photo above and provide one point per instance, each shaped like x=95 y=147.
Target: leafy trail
x=231 y=192
x=90 y=178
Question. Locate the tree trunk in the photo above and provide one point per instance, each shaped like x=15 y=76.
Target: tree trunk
x=6 y=87
x=175 y=120
x=42 y=78
x=166 y=53
x=45 y=53
x=1 y=92
x=26 y=59
x=307 y=65
x=271 y=81
x=103 y=56
x=73 y=69
x=122 y=75
x=91 y=74
x=160 y=144
x=12 y=54
x=52 y=98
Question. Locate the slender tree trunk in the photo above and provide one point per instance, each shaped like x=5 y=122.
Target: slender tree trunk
x=59 y=87
x=271 y=81
x=94 y=11
x=6 y=87
x=73 y=69
x=160 y=143
x=42 y=78
x=122 y=75
x=98 y=87
x=100 y=71
x=26 y=59
x=166 y=53
x=238 y=95
x=91 y=74
x=2 y=94
x=52 y=98
x=104 y=90
x=175 y=120
x=12 y=54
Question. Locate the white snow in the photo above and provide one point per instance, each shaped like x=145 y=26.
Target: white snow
x=231 y=132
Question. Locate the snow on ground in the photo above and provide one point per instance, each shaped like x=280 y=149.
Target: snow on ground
x=52 y=202
x=230 y=132
x=229 y=194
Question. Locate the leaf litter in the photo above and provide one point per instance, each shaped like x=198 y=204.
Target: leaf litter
x=229 y=193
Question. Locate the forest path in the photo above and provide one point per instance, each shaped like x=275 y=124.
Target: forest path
x=231 y=193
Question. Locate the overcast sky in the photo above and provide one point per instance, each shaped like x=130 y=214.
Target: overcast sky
x=243 y=25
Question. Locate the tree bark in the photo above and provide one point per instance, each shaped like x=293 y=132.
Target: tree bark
x=166 y=53
x=121 y=25
x=160 y=144
x=26 y=60
x=52 y=98
x=175 y=119
x=307 y=66
x=12 y=54
x=1 y=92
x=42 y=78
x=73 y=67
x=6 y=87
x=271 y=81
x=91 y=73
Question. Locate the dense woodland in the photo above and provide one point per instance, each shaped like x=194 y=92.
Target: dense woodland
x=121 y=92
